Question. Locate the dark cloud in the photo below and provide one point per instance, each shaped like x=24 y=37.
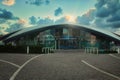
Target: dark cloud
x=102 y=12
x=14 y=27
x=86 y=18
x=58 y=11
x=115 y=24
x=4 y=14
x=105 y=8
x=47 y=2
x=99 y=22
x=38 y=2
x=106 y=15
x=33 y=20
x=39 y=21
x=8 y=22
x=83 y=20
x=109 y=11
x=115 y=17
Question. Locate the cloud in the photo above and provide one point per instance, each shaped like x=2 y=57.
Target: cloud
x=82 y=20
x=3 y=27
x=22 y=21
x=8 y=2
x=100 y=22
x=102 y=12
x=14 y=27
x=115 y=24
x=105 y=15
x=10 y=23
x=87 y=17
x=33 y=20
x=109 y=10
x=58 y=11
x=40 y=21
x=115 y=17
x=4 y=14
x=62 y=20
x=2 y=21
x=45 y=21
x=47 y=2
x=38 y=2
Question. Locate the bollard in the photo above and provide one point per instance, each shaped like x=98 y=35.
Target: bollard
x=27 y=49
x=118 y=50
x=91 y=50
x=47 y=50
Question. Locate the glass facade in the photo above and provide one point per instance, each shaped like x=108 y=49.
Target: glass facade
x=63 y=38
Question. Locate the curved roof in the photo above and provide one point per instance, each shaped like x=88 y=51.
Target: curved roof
x=94 y=30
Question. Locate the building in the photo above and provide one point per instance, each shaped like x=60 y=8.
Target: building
x=63 y=36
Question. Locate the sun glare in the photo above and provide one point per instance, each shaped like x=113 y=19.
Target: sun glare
x=70 y=18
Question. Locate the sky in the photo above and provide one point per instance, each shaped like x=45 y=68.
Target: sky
x=18 y=14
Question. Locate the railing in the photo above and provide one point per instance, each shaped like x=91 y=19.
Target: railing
x=116 y=48
x=47 y=50
x=91 y=50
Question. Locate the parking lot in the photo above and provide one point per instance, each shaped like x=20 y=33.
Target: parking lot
x=60 y=66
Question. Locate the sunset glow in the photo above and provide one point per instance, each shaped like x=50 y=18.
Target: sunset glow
x=70 y=18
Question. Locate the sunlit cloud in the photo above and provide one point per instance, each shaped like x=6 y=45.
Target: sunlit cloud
x=3 y=28
x=48 y=16
x=22 y=21
x=8 y=2
x=70 y=18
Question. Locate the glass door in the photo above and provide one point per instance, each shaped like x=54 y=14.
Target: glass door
x=70 y=43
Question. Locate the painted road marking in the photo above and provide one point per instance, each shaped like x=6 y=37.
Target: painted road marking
x=114 y=56
x=21 y=67
x=109 y=74
x=10 y=63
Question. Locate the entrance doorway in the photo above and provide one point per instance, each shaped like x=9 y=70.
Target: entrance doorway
x=68 y=43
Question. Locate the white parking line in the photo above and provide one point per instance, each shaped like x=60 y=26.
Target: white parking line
x=109 y=74
x=114 y=56
x=10 y=63
x=20 y=68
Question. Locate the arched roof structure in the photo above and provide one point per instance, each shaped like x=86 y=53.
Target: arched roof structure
x=93 y=30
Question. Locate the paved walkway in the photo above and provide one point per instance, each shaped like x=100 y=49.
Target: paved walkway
x=71 y=66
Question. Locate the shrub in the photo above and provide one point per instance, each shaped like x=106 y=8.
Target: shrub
x=20 y=49
x=107 y=51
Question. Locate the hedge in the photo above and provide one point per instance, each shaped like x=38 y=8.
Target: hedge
x=106 y=51
x=20 y=49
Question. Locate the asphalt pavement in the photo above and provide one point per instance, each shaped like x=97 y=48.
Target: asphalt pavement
x=60 y=66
